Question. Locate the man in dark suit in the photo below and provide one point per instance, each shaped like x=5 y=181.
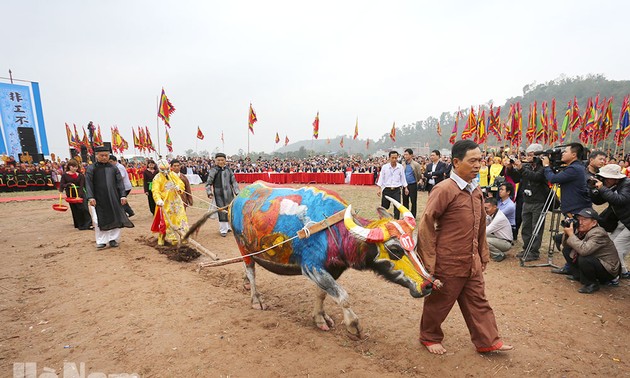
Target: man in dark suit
x=436 y=170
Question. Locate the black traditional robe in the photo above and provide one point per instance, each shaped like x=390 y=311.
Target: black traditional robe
x=105 y=184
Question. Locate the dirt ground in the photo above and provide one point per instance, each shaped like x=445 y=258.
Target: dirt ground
x=132 y=310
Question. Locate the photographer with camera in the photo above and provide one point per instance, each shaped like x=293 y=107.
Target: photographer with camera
x=590 y=253
x=613 y=187
x=570 y=174
x=571 y=177
x=533 y=185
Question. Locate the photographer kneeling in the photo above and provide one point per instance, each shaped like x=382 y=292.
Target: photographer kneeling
x=590 y=254
x=614 y=188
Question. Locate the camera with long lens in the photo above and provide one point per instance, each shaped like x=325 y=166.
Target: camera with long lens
x=555 y=157
x=570 y=222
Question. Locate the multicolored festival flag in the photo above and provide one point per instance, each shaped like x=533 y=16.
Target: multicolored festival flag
x=552 y=133
x=277 y=138
x=136 y=141
x=316 y=126
x=98 y=138
x=623 y=125
x=482 y=135
x=71 y=141
x=470 y=128
x=453 y=136
x=199 y=133
x=77 y=145
x=356 y=129
x=166 y=109
x=367 y=144
x=392 y=133
x=251 y=119
x=565 y=123
x=341 y=142
x=438 y=129
x=169 y=142
x=286 y=140
x=149 y=143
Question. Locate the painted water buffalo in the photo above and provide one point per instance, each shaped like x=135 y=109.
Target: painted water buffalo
x=265 y=215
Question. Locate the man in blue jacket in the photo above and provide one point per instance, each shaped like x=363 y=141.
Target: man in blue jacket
x=574 y=194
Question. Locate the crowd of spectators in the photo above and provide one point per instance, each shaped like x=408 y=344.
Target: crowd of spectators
x=20 y=176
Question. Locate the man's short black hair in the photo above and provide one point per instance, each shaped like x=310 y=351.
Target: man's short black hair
x=409 y=151
x=436 y=152
x=508 y=187
x=492 y=201
x=578 y=149
x=461 y=147
x=112 y=158
x=594 y=154
x=392 y=152
x=175 y=161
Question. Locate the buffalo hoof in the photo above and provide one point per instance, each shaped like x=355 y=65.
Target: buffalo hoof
x=324 y=322
x=259 y=306
x=355 y=332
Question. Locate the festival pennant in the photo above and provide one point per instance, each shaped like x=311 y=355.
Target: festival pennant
x=169 y=142
x=166 y=109
x=341 y=142
x=438 y=129
x=392 y=133
x=286 y=140
x=199 y=133
x=356 y=129
x=277 y=138
x=251 y=119
x=316 y=126
x=98 y=138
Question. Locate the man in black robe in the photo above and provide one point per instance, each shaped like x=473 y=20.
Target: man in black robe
x=106 y=196
x=222 y=188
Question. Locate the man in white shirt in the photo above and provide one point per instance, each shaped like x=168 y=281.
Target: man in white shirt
x=391 y=181
x=498 y=230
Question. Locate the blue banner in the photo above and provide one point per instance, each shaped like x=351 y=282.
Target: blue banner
x=40 y=119
x=16 y=110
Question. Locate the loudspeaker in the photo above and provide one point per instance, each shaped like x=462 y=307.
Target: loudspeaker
x=27 y=140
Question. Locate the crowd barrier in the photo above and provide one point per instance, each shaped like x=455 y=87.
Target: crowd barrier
x=306 y=178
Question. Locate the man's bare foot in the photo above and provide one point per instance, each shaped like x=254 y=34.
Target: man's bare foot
x=436 y=348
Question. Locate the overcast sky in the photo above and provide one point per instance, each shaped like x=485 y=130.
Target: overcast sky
x=380 y=61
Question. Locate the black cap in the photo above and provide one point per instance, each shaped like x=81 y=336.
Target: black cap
x=588 y=213
x=101 y=149
x=220 y=154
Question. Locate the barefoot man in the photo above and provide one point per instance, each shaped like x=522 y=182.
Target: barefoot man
x=452 y=244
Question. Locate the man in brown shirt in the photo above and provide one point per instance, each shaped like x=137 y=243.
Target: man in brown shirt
x=452 y=245
x=186 y=196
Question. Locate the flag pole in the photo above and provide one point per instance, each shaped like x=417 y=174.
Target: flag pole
x=196 y=143
x=247 y=129
x=157 y=125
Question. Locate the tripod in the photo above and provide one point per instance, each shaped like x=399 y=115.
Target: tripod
x=553 y=230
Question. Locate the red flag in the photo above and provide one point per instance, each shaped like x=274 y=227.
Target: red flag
x=277 y=138
x=252 y=118
x=98 y=138
x=77 y=140
x=199 y=133
x=286 y=140
x=356 y=129
x=166 y=109
x=470 y=128
x=150 y=146
x=316 y=126
x=552 y=135
x=575 y=121
x=392 y=133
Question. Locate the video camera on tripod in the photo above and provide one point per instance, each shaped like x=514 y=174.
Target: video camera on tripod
x=555 y=157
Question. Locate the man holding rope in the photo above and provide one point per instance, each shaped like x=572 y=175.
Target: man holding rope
x=222 y=188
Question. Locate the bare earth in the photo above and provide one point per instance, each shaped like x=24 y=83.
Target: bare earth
x=132 y=310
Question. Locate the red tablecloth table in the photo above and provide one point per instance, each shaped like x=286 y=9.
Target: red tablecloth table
x=362 y=179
